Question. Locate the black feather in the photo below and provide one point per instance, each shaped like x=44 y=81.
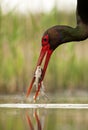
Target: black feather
x=82 y=9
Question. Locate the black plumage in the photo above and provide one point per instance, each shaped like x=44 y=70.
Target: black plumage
x=82 y=9
x=60 y=34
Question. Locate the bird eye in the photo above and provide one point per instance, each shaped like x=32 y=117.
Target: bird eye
x=45 y=40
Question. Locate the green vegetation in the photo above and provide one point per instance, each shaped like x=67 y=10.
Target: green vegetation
x=20 y=43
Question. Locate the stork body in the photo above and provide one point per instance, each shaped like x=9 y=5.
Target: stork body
x=82 y=9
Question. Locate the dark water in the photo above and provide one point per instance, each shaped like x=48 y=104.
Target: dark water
x=41 y=119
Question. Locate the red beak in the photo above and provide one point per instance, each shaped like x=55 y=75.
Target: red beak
x=45 y=51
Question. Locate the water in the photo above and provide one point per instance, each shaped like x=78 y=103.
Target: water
x=41 y=118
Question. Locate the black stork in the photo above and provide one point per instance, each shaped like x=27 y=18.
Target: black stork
x=57 y=35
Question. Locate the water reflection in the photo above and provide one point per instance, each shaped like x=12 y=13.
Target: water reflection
x=39 y=120
x=43 y=119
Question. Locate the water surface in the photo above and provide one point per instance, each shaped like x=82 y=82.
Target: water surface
x=42 y=118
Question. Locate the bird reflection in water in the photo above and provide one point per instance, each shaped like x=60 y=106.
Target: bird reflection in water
x=39 y=120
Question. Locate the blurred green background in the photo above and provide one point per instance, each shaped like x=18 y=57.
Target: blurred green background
x=20 y=44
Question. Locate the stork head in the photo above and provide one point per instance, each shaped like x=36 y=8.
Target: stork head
x=50 y=41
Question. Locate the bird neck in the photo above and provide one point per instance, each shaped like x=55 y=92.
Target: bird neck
x=69 y=34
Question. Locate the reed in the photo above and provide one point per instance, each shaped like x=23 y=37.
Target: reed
x=20 y=42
